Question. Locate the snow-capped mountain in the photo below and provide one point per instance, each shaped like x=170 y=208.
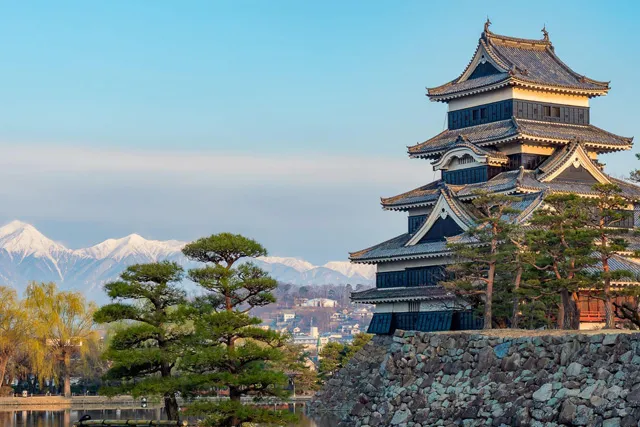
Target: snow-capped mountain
x=28 y=255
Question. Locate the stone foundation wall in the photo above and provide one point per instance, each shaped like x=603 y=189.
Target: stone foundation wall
x=508 y=378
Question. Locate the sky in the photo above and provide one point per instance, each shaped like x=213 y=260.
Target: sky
x=285 y=121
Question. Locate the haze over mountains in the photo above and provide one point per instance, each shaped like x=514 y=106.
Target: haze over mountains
x=28 y=255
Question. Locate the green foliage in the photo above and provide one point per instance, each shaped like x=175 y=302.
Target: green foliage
x=227 y=350
x=559 y=249
x=61 y=327
x=223 y=249
x=228 y=412
x=150 y=308
x=334 y=356
x=609 y=209
x=14 y=332
x=485 y=254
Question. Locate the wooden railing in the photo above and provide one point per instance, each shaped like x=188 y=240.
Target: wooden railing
x=591 y=316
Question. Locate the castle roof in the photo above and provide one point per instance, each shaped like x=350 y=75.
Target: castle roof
x=501 y=61
x=545 y=178
x=403 y=247
x=494 y=133
x=428 y=293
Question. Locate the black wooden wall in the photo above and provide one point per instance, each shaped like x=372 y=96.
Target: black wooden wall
x=503 y=110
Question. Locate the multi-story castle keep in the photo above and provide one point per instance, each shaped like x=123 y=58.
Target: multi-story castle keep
x=518 y=123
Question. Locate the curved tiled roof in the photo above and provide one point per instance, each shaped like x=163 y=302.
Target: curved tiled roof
x=530 y=183
x=395 y=249
x=425 y=195
x=415 y=293
x=524 y=129
x=619 y=263
x=446 y=140
x=588 y=134
x=521 y=62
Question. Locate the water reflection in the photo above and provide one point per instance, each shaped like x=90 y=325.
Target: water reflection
x=10 y=417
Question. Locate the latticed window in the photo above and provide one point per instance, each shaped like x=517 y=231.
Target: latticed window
x=414 y=306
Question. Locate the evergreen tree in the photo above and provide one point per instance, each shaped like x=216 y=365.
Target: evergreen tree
x=608 y=211
x=559 y=247
x=228 y=349
x=149 y=306
x=485 y=252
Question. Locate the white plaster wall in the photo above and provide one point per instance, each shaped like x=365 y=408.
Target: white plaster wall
x=517 y=93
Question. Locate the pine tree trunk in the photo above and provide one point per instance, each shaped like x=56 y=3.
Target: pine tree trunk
x=170 y=401
x=235 y=395
x=576 y=311
x=488 y=304
x=171 y=407
x=560 y=319
x=609 y=318
x=515 y=317
x=571 y=319
x=67 y=373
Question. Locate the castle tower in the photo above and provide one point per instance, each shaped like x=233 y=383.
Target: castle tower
x=519 y=123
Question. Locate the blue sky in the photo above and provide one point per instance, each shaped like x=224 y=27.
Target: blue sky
x=282 y=120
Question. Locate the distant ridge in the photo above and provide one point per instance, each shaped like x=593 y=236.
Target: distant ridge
x=26 y=254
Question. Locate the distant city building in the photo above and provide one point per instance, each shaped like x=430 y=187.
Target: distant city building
x=313 y=331
x=320 y=302
x=286 y=316
x=518 y=123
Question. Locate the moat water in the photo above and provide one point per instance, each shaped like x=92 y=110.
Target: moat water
x=10 y=417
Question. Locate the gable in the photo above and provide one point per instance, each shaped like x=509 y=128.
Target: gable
x=442 y=228
x=484 y=69
x=572 y=163
x=446 y=219
x=579 y=174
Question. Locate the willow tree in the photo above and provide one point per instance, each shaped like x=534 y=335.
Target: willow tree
x=228 y=349
x=149 y=307
x=485 y=252
x=61 y=327
x=13 y=330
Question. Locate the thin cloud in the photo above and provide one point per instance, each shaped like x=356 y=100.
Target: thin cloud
x=293 y=169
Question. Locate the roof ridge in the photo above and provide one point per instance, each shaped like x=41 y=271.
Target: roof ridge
x=489 y=35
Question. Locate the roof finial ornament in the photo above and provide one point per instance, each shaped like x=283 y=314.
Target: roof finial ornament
x=487 y=25
x=545 y=33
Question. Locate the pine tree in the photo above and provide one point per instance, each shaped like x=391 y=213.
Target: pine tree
x=484 y=253
x=608 y=211
x=559 y=247
x=228 y=350
x=149 y=306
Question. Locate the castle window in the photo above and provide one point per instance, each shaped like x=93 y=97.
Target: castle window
x=414 y=306
x=555 y=111
x=483 y=113
x=474 y=115
x=547 y=111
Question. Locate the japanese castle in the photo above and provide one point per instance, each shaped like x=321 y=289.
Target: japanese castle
x=518 y=124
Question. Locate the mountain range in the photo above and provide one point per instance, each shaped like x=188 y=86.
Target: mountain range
x=28 y=255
